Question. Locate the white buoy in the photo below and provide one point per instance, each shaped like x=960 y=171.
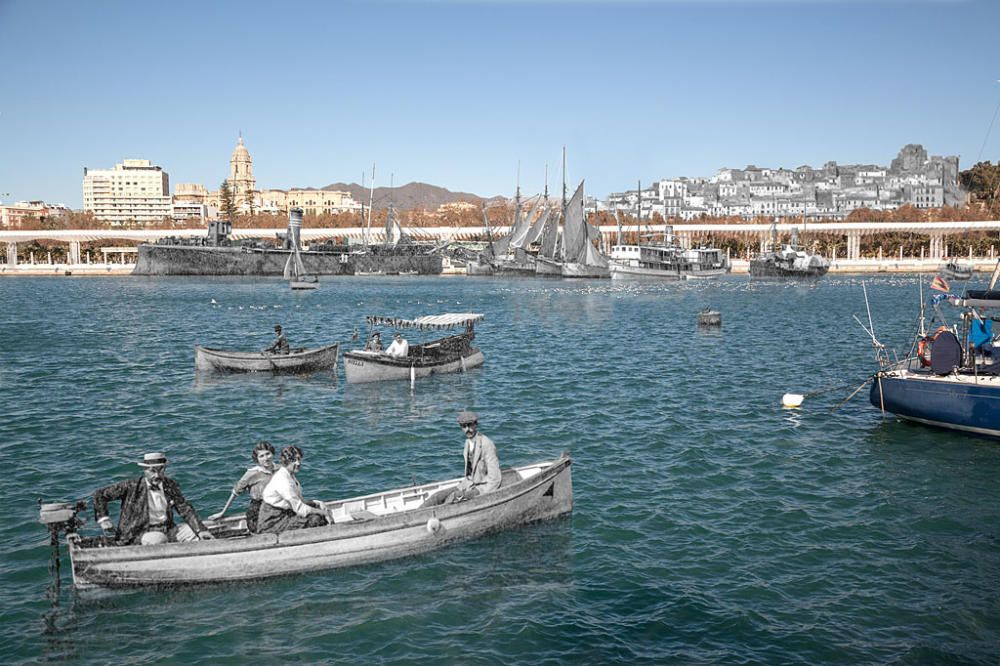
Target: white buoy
x=433 y=525
x=413 y=375
x=792 y=400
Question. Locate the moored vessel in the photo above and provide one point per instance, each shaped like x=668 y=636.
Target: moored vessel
x=942 y=382
x=788 y=261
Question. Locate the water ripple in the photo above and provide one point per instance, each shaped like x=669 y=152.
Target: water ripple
x=710 y=525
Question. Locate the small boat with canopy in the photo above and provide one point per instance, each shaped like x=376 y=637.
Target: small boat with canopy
x=453 y=353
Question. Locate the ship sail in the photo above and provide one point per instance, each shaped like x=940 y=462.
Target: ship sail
x=550 y=233
x=574 y=234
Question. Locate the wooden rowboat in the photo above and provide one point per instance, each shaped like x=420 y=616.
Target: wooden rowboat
x=299 y=361
x=453 y=353
x=366 y=529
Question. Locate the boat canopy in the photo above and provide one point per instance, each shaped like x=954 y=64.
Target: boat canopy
x=427 y=323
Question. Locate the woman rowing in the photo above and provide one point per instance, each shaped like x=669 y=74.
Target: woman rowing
x=253 y=480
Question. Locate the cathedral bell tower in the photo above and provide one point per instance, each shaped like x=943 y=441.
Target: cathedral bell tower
x=241 y=178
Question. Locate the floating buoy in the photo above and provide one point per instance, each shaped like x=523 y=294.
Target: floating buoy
x=214 y=301
x=792 y=400
x=433 y=525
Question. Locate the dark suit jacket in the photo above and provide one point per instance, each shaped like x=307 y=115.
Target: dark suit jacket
x=134 y=517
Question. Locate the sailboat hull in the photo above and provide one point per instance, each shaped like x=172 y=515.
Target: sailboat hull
x=479 y=268
x=578 y=270
x=548 y=267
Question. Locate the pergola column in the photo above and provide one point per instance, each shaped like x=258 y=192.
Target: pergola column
x=11 y=253
x=74 y=253
x=853 y=245
x=937 y=245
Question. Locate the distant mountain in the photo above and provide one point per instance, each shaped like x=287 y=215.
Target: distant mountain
x=406 y=197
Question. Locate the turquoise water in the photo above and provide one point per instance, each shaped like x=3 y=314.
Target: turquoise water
x=710 y=525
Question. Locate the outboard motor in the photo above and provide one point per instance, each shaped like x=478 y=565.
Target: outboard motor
x=60 y=517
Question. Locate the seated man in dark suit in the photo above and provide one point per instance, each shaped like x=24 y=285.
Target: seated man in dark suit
x=148 y=503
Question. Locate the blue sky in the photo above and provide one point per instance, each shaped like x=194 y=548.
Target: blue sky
x=458 y=93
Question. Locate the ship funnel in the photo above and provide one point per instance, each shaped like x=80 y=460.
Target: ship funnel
x=295 y=227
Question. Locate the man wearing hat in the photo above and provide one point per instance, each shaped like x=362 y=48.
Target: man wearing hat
x=280 y=345
x=482 y=466
x=148 y=503
x=374 y=342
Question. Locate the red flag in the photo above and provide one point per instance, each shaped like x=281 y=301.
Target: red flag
x=940 y=284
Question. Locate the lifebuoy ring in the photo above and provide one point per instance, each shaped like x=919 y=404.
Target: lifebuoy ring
x=924 y=346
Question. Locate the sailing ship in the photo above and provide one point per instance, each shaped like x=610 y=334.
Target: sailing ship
x=482 y=263
x=942 y=382
x=547 y=263
x=295 y=271
x=514 y=255
x=581 y=258
x=789 y=261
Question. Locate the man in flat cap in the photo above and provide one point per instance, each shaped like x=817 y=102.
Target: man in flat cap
x=482 y=466
x=148 y=503
x=280 y=345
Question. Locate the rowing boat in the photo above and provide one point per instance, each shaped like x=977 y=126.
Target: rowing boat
x=366 y=529
x=453 y=353
x=298 y=361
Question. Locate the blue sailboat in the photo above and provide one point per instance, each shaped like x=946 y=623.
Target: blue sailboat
x=951 y=377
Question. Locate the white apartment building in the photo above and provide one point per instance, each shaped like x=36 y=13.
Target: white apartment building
x=133 y=191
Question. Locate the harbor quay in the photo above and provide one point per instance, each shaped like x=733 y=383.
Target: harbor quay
x=116 y=254
x=739 y=267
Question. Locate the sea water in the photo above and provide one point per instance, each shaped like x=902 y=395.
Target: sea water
x=710 y=524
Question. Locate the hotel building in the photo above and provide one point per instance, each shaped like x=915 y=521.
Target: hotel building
x=135 y=191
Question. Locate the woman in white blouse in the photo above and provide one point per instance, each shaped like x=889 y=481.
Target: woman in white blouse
x=283 y=507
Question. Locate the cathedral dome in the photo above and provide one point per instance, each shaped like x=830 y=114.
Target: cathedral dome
x=240 y=153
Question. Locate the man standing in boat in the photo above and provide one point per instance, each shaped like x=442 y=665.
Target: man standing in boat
x=482 y=466
x=280 y=345
x=148 y=503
